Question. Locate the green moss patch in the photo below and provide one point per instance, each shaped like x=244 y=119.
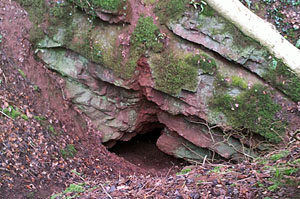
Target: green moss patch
x=91 y=5
x=146 y=36
x=170 y=9
x=173 y=73
x=36 y=10
x=280 y=76
x=254 y=110
x=239 y=82
x=203 y=62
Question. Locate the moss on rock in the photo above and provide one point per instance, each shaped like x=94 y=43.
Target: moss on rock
x=254 y=110
x=170 y=9
x=203 y=62
x=146 y=36
x=281 y=77
x=239 y=82
x=173 y=73
x=91 y=5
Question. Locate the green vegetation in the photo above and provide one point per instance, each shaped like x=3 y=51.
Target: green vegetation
x=24 y=117
x=279 y=176
x=216 y=169
x=184 y=171
x=173 y=9
x=36 y=34
x=12 y=112
x=297 y=43
x=279 y=155
x=22 y=73
x=68 y=152
x=52 y=130
x=149 y=2
x=254 y=110
x=36 y=10
x=172 y=73
x=73 y=189
x=91 y=5
x=39 y=118
x=170 y=9
x=146 y=36
x=277 y=13
x=280 y=76
x=280 y=170
x=1 y=38
x=203 y=62
x=239 y=82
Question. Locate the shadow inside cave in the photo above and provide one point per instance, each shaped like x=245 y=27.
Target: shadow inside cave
x=142 y=151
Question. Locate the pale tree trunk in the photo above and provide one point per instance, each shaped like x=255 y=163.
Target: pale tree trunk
x=258 y=29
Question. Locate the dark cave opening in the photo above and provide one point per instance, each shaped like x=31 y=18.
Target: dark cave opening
x=142 y=151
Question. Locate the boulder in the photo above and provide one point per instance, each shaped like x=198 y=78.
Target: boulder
x=205 y=102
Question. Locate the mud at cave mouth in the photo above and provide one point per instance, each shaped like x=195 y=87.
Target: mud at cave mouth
x=142 y=151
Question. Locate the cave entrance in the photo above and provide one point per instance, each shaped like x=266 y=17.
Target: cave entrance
x=142 y=151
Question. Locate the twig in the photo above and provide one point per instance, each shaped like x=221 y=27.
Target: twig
x=5 y=79
x=170 y=170
x=6 y=115
x=106 y=192
x=207 y=126
x=204 y=160
x=63 y=94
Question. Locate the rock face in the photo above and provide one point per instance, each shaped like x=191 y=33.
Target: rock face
x=207 y=104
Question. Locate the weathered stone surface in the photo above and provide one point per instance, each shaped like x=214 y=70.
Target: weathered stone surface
x=219 y=35
x=121 y=107
x=172 y=144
